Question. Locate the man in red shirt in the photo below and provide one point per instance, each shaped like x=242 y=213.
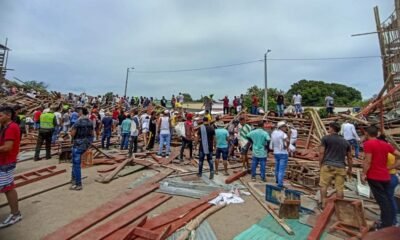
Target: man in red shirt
x=9 y=149
x=376 y=172
x=254 y=105
x=36 y=118
x=226 y=104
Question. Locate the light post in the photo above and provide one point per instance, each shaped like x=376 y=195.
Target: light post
x=126 y=81
x=266 y=81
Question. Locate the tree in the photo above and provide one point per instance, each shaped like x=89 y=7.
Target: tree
x=314 y=93
x=38 y=86
x=187 y=97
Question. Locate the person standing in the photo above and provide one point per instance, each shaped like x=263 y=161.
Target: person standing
x=207 y=103
x=135 y=126
x=376 y=172
x=125 y=132
x=36 y=118
x=297 y=105
x=164 y=126
x=293 y=134
x=163 y=102
x=9 y=149
x=173 y=101
x=152 y=130
x=349 y=133
x=333 y=151
x=47 y=123
x=208 y=115
x=280 y=143
x=259 y=139
x=187 y=140
x=66 y=121
x=235 y=105
x=280 y=104
x=254 y=104
x=74 y=117
x=329 y=102
x=244 y=144
x=205 y=136
x=226 y=104
x=221 y=137
x=107 y=124
x=82 y=136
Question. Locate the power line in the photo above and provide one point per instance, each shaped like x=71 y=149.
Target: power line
x=254 y=61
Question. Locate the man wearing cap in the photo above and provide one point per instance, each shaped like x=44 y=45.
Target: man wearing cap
x=280 y=143
x=205 y=136
x=259 y=139
x=164 y=126
x=221 y=137
x=47 y=122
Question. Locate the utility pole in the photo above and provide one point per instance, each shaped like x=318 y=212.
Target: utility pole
x=266 y=81
x=126 y=81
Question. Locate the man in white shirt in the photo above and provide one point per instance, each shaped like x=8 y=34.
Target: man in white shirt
x=349 y=133
x=279 y=143
x=297 y=104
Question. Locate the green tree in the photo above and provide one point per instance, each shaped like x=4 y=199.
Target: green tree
x=314 y=93
x=38 y=86
x=259 y=92
x=187 y=97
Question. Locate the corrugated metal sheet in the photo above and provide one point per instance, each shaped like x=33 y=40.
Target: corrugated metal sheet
x=269 y=229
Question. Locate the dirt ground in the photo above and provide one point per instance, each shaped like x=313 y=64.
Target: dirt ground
x=45 y=213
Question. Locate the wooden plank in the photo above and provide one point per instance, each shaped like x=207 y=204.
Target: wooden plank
x=111 y=175
x=322 y=221
x=235 y=177
x=107 y=169
x=269 y=210
x=81 y=224
x=27 y=179
x=101 y=151
x=124 y=219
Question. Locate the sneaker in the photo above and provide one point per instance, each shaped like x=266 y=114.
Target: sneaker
x=11 y=219
x=211 y=175
x=76 y=187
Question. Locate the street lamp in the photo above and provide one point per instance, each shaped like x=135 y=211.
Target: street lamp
x=266 y=81
x=126 y=81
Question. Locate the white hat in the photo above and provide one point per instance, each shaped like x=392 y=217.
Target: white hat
x=46 y=110
x=166 y=111
x=281 y=124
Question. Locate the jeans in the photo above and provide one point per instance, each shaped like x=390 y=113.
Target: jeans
x=76 y=165
x=254 y=110
x=202 y=155
x=106 y=136
x=65 y=128
x=133 y=145
x=36 y=125
x=254 y=164
x=281 y=161
x=55 y=134
x=279 y=108
x=185 y=143
x=394 y=181
x=354 y=144
x=380 y=191
x=125 y=141
x=165 y=139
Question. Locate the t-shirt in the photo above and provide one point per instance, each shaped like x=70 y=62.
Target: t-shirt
x=391 y=160
x=226 y=102
x=210 y=136
x=36 y=116
x=115 y=114
x=58 y=117
x=280 y=100
x=66 y=119
x=74 y=117
x=336 y=148
x=208 y=116
x=297 y=99
x=255 y=101
x=10 y=133
x=107 y=123
x=243 y=131
x=329 y=101
x=379 y=151
x=221 y=134
x=126 y=125
x=278 y=137
x=259 y=138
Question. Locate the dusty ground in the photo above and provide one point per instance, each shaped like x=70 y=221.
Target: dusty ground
x=44 y=213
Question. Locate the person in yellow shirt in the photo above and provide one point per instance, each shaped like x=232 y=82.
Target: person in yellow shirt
x=392 y=164
x=208 y=115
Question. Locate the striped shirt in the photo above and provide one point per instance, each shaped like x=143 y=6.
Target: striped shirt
x=243 y=131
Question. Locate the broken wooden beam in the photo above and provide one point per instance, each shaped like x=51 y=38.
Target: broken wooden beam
x=36 y=175
x=322 y=221
x=235 y=177
x=112 y=174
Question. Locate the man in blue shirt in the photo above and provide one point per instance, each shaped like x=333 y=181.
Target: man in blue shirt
x=259 y=139
x=125 y=132
x=107 y=123
x=221 y=136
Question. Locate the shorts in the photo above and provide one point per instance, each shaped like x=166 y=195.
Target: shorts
x=7 y=177
x=328 y=173
x=298 y=108
x=223 y=151
x=244 y=150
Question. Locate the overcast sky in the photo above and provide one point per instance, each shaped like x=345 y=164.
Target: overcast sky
x=86 y=45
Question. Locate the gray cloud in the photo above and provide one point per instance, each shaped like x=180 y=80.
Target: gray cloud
x=87 y=45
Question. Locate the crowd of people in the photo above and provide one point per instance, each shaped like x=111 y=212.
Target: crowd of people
x=84 y=123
